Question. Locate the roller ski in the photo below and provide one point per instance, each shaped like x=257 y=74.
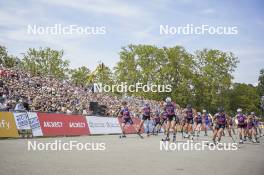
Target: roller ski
x=138 y=133
x=167 y=139
x=122 y=136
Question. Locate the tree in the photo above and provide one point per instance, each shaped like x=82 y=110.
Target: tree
x=45 y=62
x=244 y=96
x=180 y=70
x=103 y=74
x=7 y=60
x=202 y=79
x=213 y=78
x=80 y=75
x=126 y=68
x=148 y=64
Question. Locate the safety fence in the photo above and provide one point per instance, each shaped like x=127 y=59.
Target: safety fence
x=16 y=124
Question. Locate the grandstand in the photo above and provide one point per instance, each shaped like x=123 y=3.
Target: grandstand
x=47 y=94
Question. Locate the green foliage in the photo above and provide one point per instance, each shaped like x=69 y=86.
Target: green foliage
x=45 y=62
x=213 y=76
x=165 y=66
x=103 y=74
x=8 y=60
x=80 y=75
x=244 y=96
x=202 y=79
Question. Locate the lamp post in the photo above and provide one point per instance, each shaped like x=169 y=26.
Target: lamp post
x=262 y=105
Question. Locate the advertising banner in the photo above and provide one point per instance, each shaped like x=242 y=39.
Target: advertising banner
x=34 y=124
x=21 y=119
x=131 y=129
x=7 y=125
x=62 y=125
x=103 y=125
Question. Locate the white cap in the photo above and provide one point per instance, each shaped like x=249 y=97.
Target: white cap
x=168 y=99
x=239 y=110
x=204 y=111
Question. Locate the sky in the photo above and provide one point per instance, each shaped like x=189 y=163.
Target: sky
x=136 y=22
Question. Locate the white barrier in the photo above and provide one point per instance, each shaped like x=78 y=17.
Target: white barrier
x=34 y=124
x=103 y=125
x=21 y=119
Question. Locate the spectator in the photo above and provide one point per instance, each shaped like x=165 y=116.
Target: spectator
x=19 y=106
x=47 y=94
x=3 y=106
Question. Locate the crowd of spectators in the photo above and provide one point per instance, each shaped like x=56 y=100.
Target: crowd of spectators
x=19 y=90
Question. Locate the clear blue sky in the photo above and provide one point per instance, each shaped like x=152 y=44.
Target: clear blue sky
x=136 y=22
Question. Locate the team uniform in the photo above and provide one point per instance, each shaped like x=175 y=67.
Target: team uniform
x=171 y=119
x=251 y=124
x=241 y=121
x=189 y=116
x=220 y=121
x=188 y=121
x=252 y=128
x=163 y=118
x=126 y=118
x=258 y=126
x=231 y=126
x=242 y=125
x=170 y=112
x=146 y=113
x=156 y=123
x=156 y=119
x=198 y=119
x=255 y=122
x=207 y=120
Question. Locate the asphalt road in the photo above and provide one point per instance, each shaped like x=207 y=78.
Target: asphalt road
x=129 y=156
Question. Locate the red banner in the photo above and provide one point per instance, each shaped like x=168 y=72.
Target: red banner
x=63 y=125
x=129 y=129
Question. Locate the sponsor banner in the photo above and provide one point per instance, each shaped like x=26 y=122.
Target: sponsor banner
x=34 y=124
x=103 y=125
x=131 y=129
x=7 y=125
x=62 y=125
x=21 y=119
